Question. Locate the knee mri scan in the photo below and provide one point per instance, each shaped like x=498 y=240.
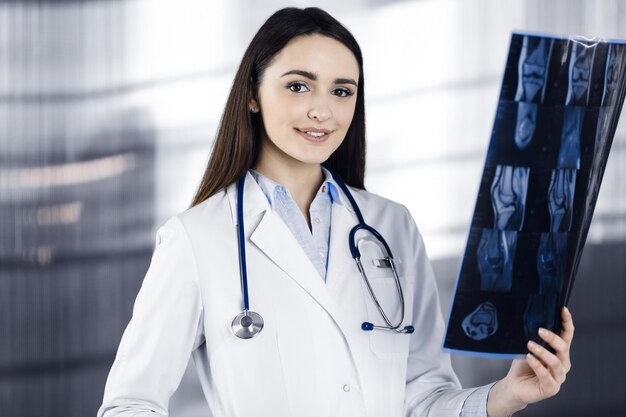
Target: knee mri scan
x=556 y=118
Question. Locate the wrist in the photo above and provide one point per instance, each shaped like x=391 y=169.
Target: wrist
x=501 y=402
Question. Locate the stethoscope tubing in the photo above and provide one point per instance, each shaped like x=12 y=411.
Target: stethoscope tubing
x=356 y=255
x=242 y=244
x=248 y=323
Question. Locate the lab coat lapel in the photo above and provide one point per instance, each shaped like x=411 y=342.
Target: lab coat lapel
x=272 y=236
x=339 y=257
x=274 y=239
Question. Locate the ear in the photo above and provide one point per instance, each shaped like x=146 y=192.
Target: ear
x=253 y=106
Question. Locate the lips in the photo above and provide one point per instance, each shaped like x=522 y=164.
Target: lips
x=314 y=134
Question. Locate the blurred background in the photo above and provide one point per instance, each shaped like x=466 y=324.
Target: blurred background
x=108 y=109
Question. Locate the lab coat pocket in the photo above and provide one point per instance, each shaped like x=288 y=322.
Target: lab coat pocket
x=386 y=343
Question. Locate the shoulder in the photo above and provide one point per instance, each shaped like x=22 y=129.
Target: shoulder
x=214 y=209
x=390 y=216
x=194 y=222
x=379 y=205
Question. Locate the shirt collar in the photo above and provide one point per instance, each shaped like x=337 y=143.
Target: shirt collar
x=270 y=187
x=333 y=188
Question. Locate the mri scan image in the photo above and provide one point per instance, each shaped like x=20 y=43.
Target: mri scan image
x=540 y=312
x=569 y=153
x=508 y=196
x=532 y=77
x=579 y=74
x=525 y=124
x=550 y=262
x=496 y=253
x=482 y=322
x=615 y=64
x=533 y=69
x=616 y=60
x=561 y=199
x=557 y=114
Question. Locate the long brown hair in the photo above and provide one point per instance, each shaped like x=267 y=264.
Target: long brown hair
x=238 y=138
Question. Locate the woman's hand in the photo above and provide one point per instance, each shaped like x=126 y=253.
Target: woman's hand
x=538 y=376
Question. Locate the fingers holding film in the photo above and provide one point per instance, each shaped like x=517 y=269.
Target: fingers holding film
x=568 y=325
x=547 y=384
x=560 y=346
x=550 y=359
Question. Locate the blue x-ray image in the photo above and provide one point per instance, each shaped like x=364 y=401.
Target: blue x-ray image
x=508 y=196
x=540 y=312
x=550 y=262
x=541 y=308
x=579 y=76
x=482 y=322
x=569 y=153
x=555 y=121
x=495 y=256
x=533 y=69
x=532 y=74
x=525 y=124
x=579 y=73
x=615 y=63
x=561 y=199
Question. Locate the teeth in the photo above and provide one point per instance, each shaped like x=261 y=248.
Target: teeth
x=316 y=134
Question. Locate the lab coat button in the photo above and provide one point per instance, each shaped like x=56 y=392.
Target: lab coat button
x=316 y=220
x=322 y=254
x=346 y=387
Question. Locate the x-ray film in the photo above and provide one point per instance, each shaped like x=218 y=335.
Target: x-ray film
x=557 y=114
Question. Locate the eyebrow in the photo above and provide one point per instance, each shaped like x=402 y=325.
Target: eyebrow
x=313 y=76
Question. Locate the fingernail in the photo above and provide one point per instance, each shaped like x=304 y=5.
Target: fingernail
x=532 y=345
x=543 y=332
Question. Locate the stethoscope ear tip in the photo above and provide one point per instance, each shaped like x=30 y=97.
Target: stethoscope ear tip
x=409 y=329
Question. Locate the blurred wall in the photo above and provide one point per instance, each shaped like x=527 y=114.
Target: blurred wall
x=77 y=203
x=107 y=113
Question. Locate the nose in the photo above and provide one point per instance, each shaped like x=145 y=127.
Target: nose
x=320 y=110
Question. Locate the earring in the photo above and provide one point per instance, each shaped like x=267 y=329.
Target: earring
x=254 y=109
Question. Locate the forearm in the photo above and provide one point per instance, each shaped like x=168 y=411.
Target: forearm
x=501 y=402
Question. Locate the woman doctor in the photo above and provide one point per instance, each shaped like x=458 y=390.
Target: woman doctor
x=295 y=116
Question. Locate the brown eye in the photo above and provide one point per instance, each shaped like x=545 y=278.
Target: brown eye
x=298 y=87
x=342 y=92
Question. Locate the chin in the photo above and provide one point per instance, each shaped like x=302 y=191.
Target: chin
x=318 y=159
x=310 y=158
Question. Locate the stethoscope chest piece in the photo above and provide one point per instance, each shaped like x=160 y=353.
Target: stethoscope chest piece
x=247 y=324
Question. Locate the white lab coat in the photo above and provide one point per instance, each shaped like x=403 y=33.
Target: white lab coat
x=312 y=358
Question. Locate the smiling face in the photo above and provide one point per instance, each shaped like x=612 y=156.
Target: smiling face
x=306 y=97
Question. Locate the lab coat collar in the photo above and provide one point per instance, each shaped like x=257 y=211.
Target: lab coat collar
x=271 y=235
x=254 y=203
x=269 y=186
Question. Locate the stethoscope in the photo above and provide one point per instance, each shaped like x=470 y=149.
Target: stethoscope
x=248 y=323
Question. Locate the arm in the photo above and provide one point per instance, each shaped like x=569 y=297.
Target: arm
x=165 y=328
x=432 y=388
